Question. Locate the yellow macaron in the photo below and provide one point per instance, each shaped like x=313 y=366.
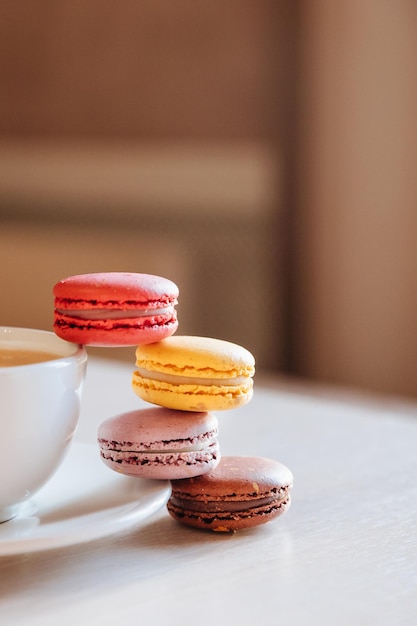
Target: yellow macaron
x=194 y=373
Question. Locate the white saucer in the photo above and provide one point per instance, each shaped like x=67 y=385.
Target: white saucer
x=85 y=500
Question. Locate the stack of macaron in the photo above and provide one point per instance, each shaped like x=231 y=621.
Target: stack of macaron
x=184 y=378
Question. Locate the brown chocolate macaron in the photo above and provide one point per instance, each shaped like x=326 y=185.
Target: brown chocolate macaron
x=241 y=492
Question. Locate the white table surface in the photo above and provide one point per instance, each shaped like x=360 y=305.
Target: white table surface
x=344 y=554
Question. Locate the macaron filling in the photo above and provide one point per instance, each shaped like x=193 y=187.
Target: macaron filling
x=227 y=506
x=103 y=314
x=176 y=379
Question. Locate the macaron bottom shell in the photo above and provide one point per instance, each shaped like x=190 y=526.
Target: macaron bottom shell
x=108 y=333
x=227 y=521
x=191 y=397
x=163 y=466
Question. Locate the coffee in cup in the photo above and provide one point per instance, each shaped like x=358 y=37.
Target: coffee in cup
x=20 y=356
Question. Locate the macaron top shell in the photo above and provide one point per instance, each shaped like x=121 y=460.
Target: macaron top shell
x=236 y=479
x=143 y=428
x=124 y=290
x=196 y=357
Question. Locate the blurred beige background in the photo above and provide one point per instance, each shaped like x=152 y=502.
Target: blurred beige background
x=260 y=154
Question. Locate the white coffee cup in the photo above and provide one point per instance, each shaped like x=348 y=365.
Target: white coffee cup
x=39 y=411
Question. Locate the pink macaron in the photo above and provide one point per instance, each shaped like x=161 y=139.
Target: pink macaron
x=115 y=309
x=160 y=443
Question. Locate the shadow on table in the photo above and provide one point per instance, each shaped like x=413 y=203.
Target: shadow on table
x=157 y=546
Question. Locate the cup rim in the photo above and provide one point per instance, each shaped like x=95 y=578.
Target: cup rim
x=78 y=353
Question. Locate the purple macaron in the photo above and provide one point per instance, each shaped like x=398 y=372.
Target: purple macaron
x=160 y=443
